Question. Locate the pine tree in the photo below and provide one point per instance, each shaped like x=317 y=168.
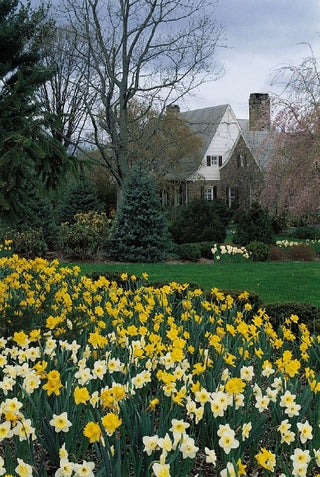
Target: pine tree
x=254 y=225
x=80 y=197
x=140 y=232
x=27 y=152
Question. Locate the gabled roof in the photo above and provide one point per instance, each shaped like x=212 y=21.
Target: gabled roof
x=261 y=143
x=203 y=122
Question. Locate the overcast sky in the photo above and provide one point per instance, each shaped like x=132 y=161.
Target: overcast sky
x=260 y=35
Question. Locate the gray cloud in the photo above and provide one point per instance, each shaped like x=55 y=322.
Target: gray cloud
x=265 y=24
x=261 y=35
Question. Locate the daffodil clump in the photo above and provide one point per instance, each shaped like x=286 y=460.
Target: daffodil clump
x=5 y=248
x=230 y=253
x=143 y=381
x=292 y=243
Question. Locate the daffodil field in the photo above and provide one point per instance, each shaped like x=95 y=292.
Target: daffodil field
x=114 y=380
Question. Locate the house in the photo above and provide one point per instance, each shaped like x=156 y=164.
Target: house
x=231 y=159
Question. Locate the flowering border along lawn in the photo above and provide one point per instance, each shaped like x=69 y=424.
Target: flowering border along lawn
x=102 y=379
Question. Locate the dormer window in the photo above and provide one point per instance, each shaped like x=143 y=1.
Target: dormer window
x=214 y=160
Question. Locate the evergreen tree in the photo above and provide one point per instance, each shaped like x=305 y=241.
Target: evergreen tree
x=27 y=152
x=38 y=214
x=80 y=197
x=200 y=221
x=254 y=225
x=140 y=232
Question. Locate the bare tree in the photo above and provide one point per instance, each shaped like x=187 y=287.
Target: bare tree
x=151 y=51
x=67 y=92
x=292 y=180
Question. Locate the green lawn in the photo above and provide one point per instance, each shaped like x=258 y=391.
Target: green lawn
x=273 y=281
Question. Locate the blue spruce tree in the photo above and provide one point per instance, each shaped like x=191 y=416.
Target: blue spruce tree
x=140 y=231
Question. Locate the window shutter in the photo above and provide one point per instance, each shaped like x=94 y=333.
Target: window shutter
x=215 y=192
x=220 y=160
x=208 y=160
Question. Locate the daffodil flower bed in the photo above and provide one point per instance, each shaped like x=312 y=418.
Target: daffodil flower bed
x=98 y=379
x=292 y=243
x=230 y=253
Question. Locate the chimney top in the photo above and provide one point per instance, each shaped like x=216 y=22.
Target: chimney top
x=173 y=108
x=259 y=112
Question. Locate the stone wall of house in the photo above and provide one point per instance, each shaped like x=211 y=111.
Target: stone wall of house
x=197 y=189
x=240 y=181
x=241 y=177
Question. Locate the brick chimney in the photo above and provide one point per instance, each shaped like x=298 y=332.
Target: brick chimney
x=259 y=112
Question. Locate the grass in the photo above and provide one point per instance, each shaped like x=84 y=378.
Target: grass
x=273 y=281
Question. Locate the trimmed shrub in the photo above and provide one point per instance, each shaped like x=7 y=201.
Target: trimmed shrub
x=306 y=232
x=315 y=244
x=278 y=254
x=206 y=249
x=259 y=251
x=199 y=221
x=253 y=225
x=307 y=313
x=189 y=251
x=301 y=252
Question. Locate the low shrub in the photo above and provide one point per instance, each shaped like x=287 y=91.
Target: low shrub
x=206 y=249
x=189 y=251
x=306 y=232
x=315 y=244
x=29 y=242
x=86 y=237
x=278 y=254
x=301 y=252
x=259 y=251
x=307 y=313
x=199 y=221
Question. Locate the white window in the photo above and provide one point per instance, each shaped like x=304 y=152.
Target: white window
x=231 y=196
x=164 y=197
x=214 y=160
x=210 y=193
